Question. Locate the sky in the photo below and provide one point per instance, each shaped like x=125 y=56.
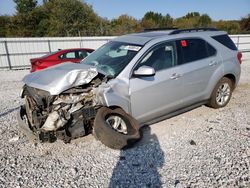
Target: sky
x=216 y=9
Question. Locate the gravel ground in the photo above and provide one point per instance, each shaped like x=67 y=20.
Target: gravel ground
x=201 y=148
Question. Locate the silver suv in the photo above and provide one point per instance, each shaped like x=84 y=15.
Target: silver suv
x=130 y=81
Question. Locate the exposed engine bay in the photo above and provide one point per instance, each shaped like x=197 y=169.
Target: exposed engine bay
x=71 y=100
x=66 y=116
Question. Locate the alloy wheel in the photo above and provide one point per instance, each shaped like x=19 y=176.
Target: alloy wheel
x=223 y=94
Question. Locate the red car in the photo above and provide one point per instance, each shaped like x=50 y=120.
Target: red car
x=73 y=55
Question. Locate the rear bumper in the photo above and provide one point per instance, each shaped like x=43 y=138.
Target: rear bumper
x=23 y=124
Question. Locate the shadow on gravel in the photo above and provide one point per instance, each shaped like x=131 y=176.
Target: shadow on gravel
x=138 y=166
x=9 y=111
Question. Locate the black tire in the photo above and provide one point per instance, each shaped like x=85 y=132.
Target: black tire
x=111 y=137
x=213 y=102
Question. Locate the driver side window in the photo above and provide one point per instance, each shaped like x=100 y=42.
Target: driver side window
x=160 y=57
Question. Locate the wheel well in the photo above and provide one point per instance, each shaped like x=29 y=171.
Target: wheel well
x=232 y=78
x=114 y=107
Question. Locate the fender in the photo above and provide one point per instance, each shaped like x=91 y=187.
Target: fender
x=114 y=93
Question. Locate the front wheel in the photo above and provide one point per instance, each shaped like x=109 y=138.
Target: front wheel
x=115 y=128
x=221 y=94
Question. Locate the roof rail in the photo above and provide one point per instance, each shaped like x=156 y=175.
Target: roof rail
x=159 y=29
x=178 y=31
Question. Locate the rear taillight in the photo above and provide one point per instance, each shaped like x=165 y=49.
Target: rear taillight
x=36 y=63
x=239 y=57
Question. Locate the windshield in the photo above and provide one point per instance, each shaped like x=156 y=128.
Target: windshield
x=112 y=57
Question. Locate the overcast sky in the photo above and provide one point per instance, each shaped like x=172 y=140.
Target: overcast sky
x=216 y=9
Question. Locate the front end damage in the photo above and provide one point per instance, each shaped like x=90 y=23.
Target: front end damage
x=67 y=115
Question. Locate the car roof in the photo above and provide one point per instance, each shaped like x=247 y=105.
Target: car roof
x=73 y=49
x=143 y=37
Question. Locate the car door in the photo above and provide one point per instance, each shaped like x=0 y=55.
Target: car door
x=154 y=96
x=197 y=61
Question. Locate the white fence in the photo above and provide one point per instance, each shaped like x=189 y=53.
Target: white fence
x=242 y=42
x=16 y=52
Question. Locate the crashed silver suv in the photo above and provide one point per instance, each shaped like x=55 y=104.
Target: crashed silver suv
x=130 y=81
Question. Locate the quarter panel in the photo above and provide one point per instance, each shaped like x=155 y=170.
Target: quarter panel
x=232 y=66
x=216 y=76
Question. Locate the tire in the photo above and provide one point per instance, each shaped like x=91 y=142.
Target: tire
x=115 y=138
x=220 y=98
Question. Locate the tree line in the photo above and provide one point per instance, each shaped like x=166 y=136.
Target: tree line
x=60 y=18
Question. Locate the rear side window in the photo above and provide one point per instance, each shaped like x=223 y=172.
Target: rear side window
x=193 y=49
x=226 y=41
x=68 y=55
x=211 y=50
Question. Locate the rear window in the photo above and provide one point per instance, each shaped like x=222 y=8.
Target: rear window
x=226 y=41
x=49 y=54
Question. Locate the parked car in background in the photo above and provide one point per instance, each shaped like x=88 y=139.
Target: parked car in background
x=74 y=55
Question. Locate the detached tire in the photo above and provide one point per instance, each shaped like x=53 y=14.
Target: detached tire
x=221 y=94
x=115 y=128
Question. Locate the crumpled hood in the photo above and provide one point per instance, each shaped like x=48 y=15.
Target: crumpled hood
x=61 y=77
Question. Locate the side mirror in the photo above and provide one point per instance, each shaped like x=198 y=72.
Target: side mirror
x=144 y=71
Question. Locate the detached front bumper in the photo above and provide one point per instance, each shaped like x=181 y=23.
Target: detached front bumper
x=24 y=125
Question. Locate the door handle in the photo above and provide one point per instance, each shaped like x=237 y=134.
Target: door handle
x=175 y=76
x=213 y=63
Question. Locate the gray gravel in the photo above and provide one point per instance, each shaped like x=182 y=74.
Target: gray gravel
x=201 y=148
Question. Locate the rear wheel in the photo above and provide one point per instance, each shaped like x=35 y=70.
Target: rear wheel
x=115 y=128
x=221 y=94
